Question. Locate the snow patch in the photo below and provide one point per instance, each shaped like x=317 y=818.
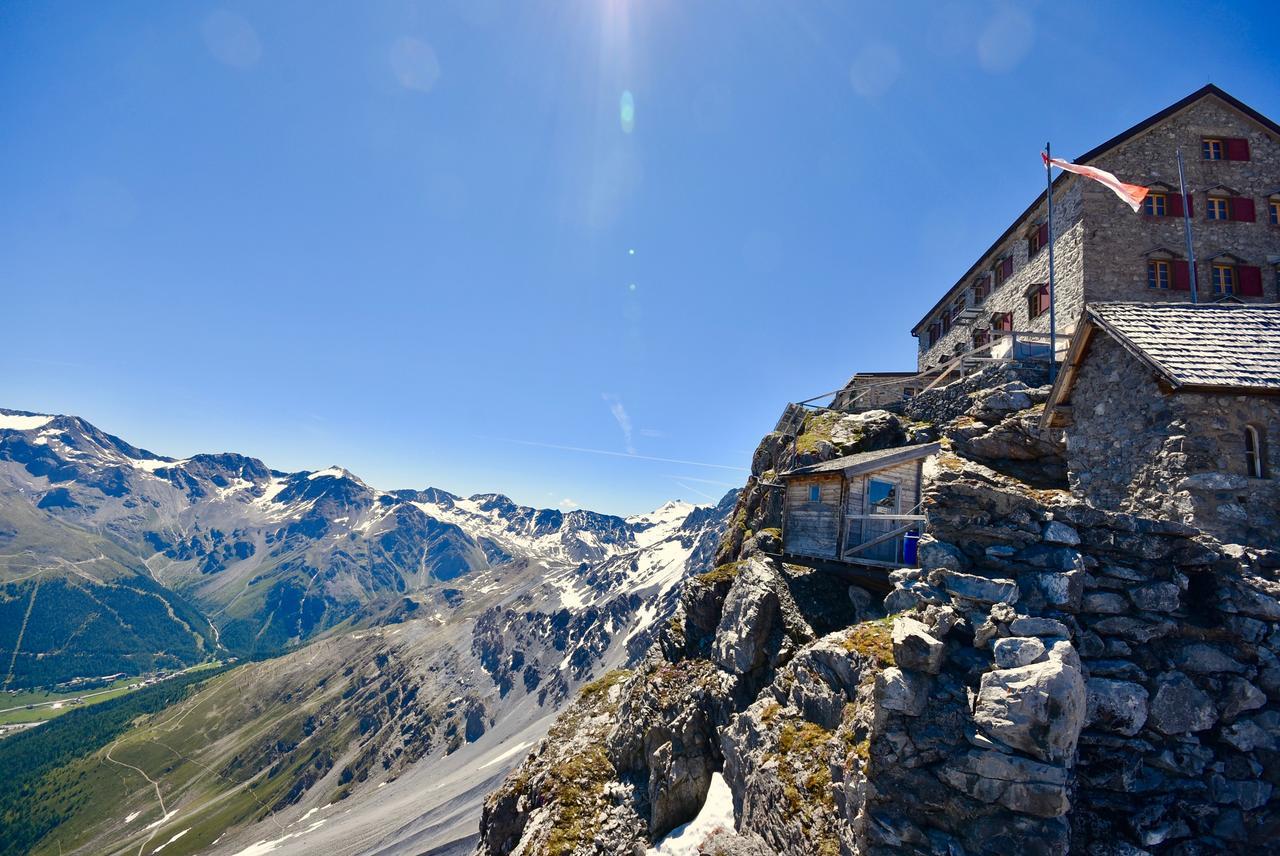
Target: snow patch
x=156 y=823
x=152 y=464
x=505 y=755
x=716 y=813
x=171 y=840
x=262 y=847
x=335 y=472
x=24 y=423
x=133 y=815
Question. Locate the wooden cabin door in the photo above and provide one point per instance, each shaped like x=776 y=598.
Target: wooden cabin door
x=882 y=497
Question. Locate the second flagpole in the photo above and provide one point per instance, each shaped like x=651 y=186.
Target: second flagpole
x=1053 y=317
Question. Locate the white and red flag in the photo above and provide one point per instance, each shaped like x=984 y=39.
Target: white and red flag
x=1133 y=194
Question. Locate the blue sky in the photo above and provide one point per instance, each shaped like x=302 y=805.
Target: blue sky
x=426 y=241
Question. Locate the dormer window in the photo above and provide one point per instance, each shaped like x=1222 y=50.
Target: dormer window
x=1158 y=274
x=1211 y=149
x=1224 y=279
x=1156 y=205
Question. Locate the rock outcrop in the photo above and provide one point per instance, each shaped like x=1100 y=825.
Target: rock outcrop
x=1052 y=678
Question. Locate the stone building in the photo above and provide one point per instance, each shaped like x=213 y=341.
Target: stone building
x=1173 y=410
x=876 y=390
x=1103 y=251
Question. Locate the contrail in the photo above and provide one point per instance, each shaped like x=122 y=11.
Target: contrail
x=619 y=454
x=695 y=490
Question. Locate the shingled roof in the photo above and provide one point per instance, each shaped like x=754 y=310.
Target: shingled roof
x=867 y=461
x=1206 y=347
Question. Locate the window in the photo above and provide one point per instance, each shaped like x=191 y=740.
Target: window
x=946 y=323
x=1002 y=321
x=1211 y=149
x=908 y=392
x=981 y=289
x=1224 y=279
x=935 y=333
x=957 y=308
x=1038 y=239
x=1156 y=205
x=1038 y=300
x=1273 y=212
x=981 y=338
x=1158 y=274
x=1003 y=270
x=882 y=497
x=1254 y=463
x=1217 y=208
x=815 y=493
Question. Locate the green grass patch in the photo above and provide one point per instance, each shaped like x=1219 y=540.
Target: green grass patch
x=872 y=639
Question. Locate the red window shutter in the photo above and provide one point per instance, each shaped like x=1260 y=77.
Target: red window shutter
x=1173 y=204
x=1237 y=149
x=1043 y=235
x=1250 y=280
x=1242 y=209
x=1181 y=275
x=1006 y=267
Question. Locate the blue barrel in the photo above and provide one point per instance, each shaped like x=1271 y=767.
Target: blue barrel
x=910 y=548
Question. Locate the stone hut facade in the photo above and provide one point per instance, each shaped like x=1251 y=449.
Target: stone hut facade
x=1103 y=251
x=1173 y=411
x=879 y=390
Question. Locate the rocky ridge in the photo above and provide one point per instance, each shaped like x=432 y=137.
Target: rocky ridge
x=1053 y=678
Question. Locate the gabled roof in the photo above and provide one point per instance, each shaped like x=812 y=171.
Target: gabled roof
x=864 y=462
x=1124 y=136
x=1201 y=347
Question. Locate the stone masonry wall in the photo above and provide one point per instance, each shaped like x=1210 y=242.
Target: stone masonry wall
x=1116 y=240
x=1010 y=296
x=1068 y=679
x=1178 y=456
x=1101 y=249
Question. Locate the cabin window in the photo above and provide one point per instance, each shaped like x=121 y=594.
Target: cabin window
x=908 y=392
x=882 y=497
x=1255 y=463
x=1217 y=208
x=1224 y=279
x=815 y=493
x=1002 y=321
x=1211 y=149
x=1158 y=274
x=1156 y=205
x=981 y=338
x=1038 y=300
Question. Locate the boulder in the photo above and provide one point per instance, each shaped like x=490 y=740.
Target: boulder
x=939 y=555
x=915 y=648
x=1033 y=626
x=904 y=692
x=1107 y=602
x=1057 y=532
x=1118 y=706
x=1180 y=707
x=1018 y=784
x=980 y=589
x=1014 y=651
x=1240 y=696
x=758 y=620
x=1039 y=708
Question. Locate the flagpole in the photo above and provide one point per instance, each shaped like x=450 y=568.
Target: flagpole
x=1186 y=225
x=1053 y=318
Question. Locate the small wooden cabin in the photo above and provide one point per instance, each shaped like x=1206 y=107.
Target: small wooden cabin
x=859 y=508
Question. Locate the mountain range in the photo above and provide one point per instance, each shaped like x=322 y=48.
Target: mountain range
x=392 y=637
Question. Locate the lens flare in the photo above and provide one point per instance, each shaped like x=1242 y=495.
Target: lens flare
x=627 y=111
